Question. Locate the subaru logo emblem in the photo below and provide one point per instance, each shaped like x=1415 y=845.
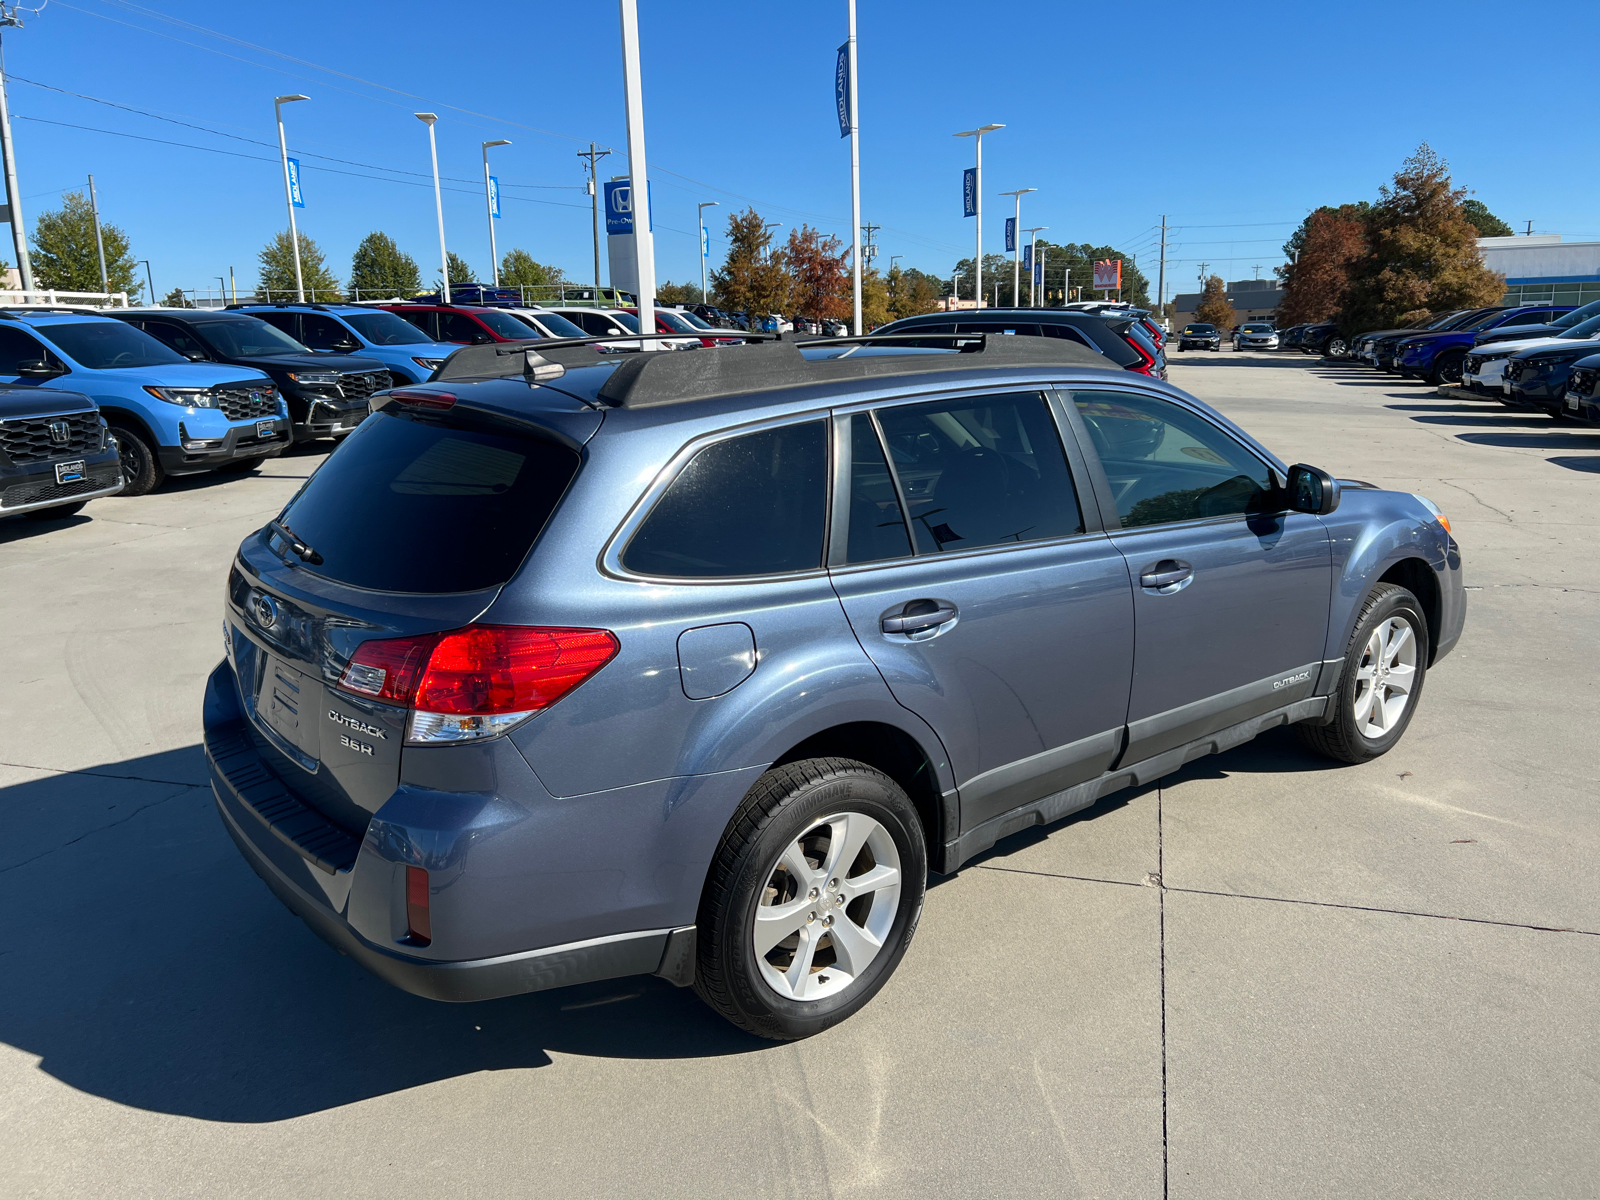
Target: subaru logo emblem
x=60 y=431
x=265 y=610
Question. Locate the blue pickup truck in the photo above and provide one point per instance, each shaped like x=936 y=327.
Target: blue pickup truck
x=1437 y=357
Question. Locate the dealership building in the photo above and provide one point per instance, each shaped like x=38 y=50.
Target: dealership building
x=1543 y=269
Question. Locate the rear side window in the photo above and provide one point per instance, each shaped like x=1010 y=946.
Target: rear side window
x=877 y=526
x=981 y=471
x=416 y=505
x=750 y=505
x=422 y=320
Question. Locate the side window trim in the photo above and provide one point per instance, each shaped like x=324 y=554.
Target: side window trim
x=610 y=559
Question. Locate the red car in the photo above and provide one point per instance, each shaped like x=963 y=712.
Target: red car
x=671 y=320
x=464 y=324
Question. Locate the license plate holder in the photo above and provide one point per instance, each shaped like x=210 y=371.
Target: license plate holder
x=264 y=429
x=70 y=472
x=1572 y=401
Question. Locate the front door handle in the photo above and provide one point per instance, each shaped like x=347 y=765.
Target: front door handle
x=1167 y=573
x=918 y=616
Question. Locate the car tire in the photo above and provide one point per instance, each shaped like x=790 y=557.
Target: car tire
x=778 y=855
x=1371 y=711
x=58 y=511
x=1447 y=369
x=141 y=469
x=1337 y=347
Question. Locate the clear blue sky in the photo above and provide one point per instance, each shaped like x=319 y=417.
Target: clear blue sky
x=1233 y=121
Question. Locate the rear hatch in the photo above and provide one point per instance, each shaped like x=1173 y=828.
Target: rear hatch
x=410 y=528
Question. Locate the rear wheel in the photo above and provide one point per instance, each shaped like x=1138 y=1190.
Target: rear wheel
x=1384 y=668
x=812 y=898
x=141 y=469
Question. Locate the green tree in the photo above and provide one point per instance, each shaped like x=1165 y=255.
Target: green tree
x=874 y=300
x=518 y=269
x=379 y=268
x=1214 y=307
x=754 y=278
x=277 y=270
x=678 y=293
x=1424 y=252
x=1485 y=222
x=910 y=292
x=176 y=299
x=64 y=253
x=460 y=272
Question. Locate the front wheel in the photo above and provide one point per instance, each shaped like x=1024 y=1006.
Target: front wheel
x=1384 y=668
x=1337 y=347
x=141 y=469
x=1447 y=369
x=812 y=898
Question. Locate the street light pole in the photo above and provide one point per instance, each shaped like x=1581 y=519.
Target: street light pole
x=1032 y=232
x=638 y=171
x=147 y=274
x=977 y=196
x=488 y=204
x=288 y=195
x=438 y=207
x=855 y=184
x=19 y=237
x=1016 y=249
x=700 y=216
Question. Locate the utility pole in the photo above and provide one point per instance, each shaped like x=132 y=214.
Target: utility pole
x=1529 y=233
x=1161 y=275
x=13 y=207
x=99 y=242
x=594 y=156
x=870 y=250
x=1203 y=267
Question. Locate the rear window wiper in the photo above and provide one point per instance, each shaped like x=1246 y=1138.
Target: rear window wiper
x=302 y=550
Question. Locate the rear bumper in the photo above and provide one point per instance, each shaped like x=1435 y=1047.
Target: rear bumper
x=318 y=870
x=241 y=441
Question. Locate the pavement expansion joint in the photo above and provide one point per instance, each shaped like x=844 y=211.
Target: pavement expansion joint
x=99 y=774
x=185 y=789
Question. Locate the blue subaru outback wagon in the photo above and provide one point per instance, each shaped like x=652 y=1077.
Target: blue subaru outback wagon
x=569 y=666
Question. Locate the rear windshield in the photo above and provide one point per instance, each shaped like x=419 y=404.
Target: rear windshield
x=107 y=344
x=384 y=329
x=413 y=504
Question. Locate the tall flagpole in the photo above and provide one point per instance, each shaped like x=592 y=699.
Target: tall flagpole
x=855 y=183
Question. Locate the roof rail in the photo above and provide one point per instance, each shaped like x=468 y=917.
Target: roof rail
x=648 y=380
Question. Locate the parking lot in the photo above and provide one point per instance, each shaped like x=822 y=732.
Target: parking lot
x=1268 y=976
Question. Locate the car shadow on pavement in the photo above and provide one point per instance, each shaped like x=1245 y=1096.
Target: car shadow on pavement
x=1589 y=465
x=16 y=529
x=1554 y=440
x=148 y=965
x=1501 y=420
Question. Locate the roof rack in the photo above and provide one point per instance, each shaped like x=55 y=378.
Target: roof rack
x=312 y=304
x=648 y=380
x=11 y=310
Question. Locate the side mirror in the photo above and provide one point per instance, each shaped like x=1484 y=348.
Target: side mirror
x=196 y=356
x=347 y=346
x=37 y=368
x=1312 y=490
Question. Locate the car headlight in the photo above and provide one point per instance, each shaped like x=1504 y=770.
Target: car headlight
x=316 y=378
x=431 y=364
x=190 y=397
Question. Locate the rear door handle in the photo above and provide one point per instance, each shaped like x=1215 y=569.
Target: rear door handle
x=918 y=616
x=1166 y=573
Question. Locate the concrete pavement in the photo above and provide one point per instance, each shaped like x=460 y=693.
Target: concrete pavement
x=1267 y=976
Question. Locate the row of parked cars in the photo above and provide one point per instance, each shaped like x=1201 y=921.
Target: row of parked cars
x=95 y=402
x=1542 y=357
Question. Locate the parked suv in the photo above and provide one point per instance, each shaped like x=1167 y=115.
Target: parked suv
x=1438 y=356
x=463 y=325
x=169 y=416
x=327 y=393
x=407 y=353
x=568 y=667
x=1117 y=336
x=56 y=452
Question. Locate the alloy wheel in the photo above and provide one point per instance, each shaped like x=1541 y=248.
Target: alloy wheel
x=827 y=907
x=1385 y=678
x=1337 y=347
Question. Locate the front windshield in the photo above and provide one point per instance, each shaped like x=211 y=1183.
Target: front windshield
x=1257 y=327
x=246 y=337
x=384 y=329
x=503 y=323
x=1199 y=328
x=553 y=324
x=627 y=320
x=1445 y=321
x=108 y=344
x=674 y=322
x=1584 y=330
x=694 y=321
x=1568 y=319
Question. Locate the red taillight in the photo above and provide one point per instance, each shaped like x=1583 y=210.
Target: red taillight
x=1146 y=363
x=419 y=916
x=423 y=399
x=481 y=670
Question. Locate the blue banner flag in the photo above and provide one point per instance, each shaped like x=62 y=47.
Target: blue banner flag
x=969 y=191
x=1011 y=234
x=1027 y=256
x=494 y=196
x=619 y=207
x=1038 y=271
x=705 y=242
x=841 y=89
x=296 y=198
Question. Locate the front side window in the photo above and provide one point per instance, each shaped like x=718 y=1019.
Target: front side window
x=548 y=324
x=17 y=348
x=427 y=322
x=504 y=324
x=749 y=505
x=1166 y=464
x=179 y=338
x=877 y=526
x=981 y=471
x=458 y=327
x=108 y=344
x=323 y=333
